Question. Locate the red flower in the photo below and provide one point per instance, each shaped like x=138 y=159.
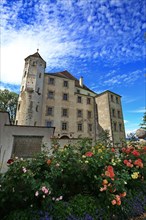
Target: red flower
x=89 y=154
x=125 y=161
x=136 y=153
x=113 y=149
x=138 y=163
x=110 y=172
x=10 y=161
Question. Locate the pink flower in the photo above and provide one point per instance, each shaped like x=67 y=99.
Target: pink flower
x=45 y=190
x=113 y=202
x=118 y=198
x=89 y=154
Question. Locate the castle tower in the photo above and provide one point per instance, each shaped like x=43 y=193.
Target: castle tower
x=29 y=109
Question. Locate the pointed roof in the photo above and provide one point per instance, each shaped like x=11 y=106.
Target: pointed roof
x=37 y=55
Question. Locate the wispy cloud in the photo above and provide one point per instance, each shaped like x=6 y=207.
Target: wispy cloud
x=67 y=31
x=140 y=110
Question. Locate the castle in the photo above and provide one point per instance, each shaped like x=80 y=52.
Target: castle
x=60 y=100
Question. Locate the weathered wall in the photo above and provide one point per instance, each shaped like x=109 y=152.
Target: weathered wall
x=9 y=132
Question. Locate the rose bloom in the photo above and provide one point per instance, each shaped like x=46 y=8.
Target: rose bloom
x=136 y=153
x=49 y=162
x=89 y=154
x=104 y=182
x=123 y=194
x=119 y=202
x=10 y=161
x=113 y=149
x=118 y=198
x=114 y=202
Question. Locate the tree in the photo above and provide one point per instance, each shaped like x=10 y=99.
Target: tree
x=143 y=124
x=8 y=102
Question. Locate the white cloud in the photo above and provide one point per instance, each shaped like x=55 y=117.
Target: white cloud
x=66 y=31
x=140 y=110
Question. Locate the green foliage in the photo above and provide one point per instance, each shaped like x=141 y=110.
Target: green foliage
x=74 y=180
x=8 y=102
x=143 y=124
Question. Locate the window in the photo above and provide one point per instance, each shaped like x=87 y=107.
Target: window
x=38 y=91
x=65 y=112
x=34 y=63
x=119 y=114
x=65 y=96
x=25 y=73
x=50 y=95
x=80 y=127
x=37 y=108
x=113 y=112
x=49 y=124
x=115 y=126
x=120 y=127
x=65 y=83
x=88 y=100
x=22 y=89
x=117 y=100
x=112 y=98
x=18 y=106
x=35 y=123
x=49 y=111
x=40 y=75
x=79 y=99
x=78 y=91
x=51 y=81
x=79 y=113
x=89 y=127
x=64 y=126
x=89 y=114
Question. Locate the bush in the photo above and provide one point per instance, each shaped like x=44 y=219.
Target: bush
x=74 y=182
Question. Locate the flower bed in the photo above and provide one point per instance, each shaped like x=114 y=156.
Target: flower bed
x=75 y=182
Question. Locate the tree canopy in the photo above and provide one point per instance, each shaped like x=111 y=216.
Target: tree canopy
x=8 y=102
x=143 y=124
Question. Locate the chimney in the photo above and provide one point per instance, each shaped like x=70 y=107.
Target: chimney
x=81 y=81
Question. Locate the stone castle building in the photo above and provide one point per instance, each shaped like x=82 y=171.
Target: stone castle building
x=60 y=100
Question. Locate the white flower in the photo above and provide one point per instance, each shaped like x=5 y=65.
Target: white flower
x=36 y=193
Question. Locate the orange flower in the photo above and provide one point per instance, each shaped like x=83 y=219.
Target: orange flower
x=119 y=202
x=104 y=182
x=123 y=194
x=49 y=162
x=110 y=172
x=138 y=163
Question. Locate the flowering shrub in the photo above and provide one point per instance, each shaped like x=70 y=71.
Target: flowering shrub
x=68 y=178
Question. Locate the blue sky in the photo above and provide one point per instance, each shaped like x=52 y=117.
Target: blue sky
x=102 y=40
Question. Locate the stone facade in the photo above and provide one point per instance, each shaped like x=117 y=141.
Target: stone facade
x=62 y=101
x=20 y=140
